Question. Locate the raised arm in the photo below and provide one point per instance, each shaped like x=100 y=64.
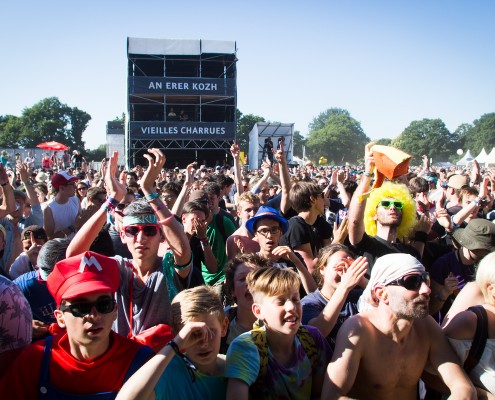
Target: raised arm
x=186 y=188
x=358 y=204
x=174 y=232
x=285 y=182
x=8 y=203
x=89 y=231
x=236 y=153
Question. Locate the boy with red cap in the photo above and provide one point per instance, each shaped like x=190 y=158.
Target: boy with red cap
x=88 y=359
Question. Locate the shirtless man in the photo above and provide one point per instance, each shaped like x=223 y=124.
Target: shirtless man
x=381 y=352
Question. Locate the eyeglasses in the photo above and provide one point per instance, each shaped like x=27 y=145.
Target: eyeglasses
x=273 y=230
x=398 y=205
x=104 y=306
x=412 y=282
x=148 y=230
x=82 y=188
x=36 y=235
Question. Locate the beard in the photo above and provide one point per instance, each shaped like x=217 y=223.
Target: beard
x=410 y=309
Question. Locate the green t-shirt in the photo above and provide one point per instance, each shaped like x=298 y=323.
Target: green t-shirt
x=217 y=243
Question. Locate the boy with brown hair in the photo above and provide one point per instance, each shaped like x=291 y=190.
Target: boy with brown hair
x=282 y=359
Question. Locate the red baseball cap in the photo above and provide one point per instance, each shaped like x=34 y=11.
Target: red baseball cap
x=62 y=178
x=83 y=274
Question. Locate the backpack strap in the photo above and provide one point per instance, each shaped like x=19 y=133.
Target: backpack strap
x=259 y=338
x=479 y=340
x=221 y=226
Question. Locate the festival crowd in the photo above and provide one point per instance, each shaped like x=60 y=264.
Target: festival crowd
x=224 y=283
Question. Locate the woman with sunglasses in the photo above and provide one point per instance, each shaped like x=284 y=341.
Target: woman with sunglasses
x=157 y=242
x=86 y=359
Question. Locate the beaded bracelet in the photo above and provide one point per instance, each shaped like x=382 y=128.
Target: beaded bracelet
x=151 y=196
x=112 y=201
x=165 y=220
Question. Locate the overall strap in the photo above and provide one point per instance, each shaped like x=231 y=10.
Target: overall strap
x=44 y=379
x=142 y=355
x=479 y=340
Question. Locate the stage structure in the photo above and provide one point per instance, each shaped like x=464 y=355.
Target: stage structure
x=265 y=136
x=115 y=140
x=182 y=98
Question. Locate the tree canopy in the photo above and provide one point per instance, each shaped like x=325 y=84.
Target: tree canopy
x=47 y=120
x=337 y=137
x=427 y=137
x=244 y=125
x=481 y=134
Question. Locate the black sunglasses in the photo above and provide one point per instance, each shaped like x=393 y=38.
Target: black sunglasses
x=103 y=306
x=413 y=281
x=398 y=205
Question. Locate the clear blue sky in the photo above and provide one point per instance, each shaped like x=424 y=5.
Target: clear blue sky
x=387 y=62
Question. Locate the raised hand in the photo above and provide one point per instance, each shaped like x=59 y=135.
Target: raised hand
x=156 y=160
x=115 y=189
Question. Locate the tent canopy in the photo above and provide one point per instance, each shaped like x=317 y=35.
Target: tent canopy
x=468 y=157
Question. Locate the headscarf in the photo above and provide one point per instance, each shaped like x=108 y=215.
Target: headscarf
x=387 y=269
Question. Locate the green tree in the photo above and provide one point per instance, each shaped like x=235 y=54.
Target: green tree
x=340 y=139
x=119 y=119
x=321 y=120
x=298 y=143
x=47 y=120
x=97 y=154
x=10 y=130
x=384 y=141
x=244 y=125
x=482 y=134
x=428 y=136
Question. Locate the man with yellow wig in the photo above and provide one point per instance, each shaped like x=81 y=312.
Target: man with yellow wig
x=377 y=223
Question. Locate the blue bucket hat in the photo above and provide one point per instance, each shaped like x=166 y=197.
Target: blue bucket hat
x=266 y=212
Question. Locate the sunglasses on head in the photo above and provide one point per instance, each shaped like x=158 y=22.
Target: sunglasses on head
x=398 y=205
x=413 y=281
x=148 y=230
x=103 y=306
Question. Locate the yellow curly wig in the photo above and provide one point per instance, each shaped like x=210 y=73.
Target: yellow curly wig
x=393 y=191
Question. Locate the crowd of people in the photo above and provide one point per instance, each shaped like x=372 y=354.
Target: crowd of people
x=278 y=283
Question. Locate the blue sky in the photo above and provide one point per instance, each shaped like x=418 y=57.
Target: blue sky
x=387 y=62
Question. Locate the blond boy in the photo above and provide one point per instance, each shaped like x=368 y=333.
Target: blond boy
x=282 y=359
x=199 y=321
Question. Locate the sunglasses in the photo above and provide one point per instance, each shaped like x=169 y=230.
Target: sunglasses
x=82 y=188
x=36 y=235
x=104 y=306
x=148 y=230
x=413 y=281
x=398 y=205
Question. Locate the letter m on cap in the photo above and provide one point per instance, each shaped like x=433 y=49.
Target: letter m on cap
x=87 y=263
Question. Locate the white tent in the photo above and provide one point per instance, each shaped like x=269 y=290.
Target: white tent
x=481 y=158
x=468 y=157
x=490 y=158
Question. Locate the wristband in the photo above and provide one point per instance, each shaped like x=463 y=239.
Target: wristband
x=151 y=196
x=160 y=207
x=477 y=201
x=420 y=236
x=108 y=206
x=166 y=220
x=174 y=346
x=204 y=242
x=369 y=175
x=112 y=201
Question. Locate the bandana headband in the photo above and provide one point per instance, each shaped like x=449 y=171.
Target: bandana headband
x=149 y=219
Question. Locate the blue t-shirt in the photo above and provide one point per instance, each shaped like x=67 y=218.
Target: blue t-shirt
x=176 y=383
x=36 y=292
x=280 y=382
x=314 y=303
